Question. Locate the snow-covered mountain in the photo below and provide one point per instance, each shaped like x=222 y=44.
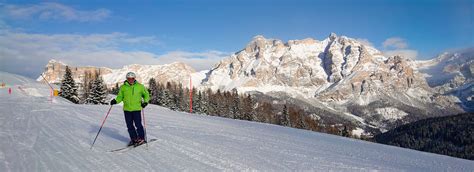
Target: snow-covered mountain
x=54 y=71
x=338 y=79
x=339 y=75
x=452 y=73
x=174 y=72
x=39 y=134
x=306 y=64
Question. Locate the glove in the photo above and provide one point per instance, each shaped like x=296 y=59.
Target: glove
x=113 y=102
x=144 y=104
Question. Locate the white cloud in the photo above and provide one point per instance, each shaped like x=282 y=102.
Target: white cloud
x=398 y=46
x=395 y=42
x=198 y=60
x=27 y=54
x=53 y=11
x=412 y=54
x=365 y=42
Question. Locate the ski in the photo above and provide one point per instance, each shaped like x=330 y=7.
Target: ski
x=121 y=149
x=124 y=149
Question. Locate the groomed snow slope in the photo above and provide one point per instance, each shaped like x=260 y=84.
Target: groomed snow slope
x=41 y=135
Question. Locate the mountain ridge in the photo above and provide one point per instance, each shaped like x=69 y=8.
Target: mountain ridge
x=338 y=74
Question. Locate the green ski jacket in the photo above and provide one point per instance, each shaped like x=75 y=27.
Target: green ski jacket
x=131 y=95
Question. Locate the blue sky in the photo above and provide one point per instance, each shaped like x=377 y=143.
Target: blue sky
x=202 y=32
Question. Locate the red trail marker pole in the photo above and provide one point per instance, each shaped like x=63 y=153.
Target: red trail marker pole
x=52 y=89
x=190 y=95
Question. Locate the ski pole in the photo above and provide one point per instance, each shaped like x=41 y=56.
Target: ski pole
x=47 y=82
x=144 y=127
x=103 y=122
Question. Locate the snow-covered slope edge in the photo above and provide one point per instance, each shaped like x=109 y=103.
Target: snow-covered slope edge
x=37 y=135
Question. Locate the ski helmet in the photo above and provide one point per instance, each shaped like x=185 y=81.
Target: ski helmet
x=131 y=75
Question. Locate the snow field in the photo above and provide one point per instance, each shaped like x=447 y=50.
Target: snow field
x=41 y=135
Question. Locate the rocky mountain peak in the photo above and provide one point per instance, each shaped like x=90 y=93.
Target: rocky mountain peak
x=452 y=73
x=182 y=66
x=174 y=72
x=307 y=41
x=332 y=36
x=259 y=43
x=338 y=75
x=337 y=70
x=55 y=70
x=306 y=62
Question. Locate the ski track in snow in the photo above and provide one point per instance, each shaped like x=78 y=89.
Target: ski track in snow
x=37 y=134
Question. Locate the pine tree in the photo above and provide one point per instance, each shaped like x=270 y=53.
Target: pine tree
x=179 y=99
x=153 y=90
x=296 y=117
x=98 y=92
x=284 y=118
x=185 y=101
x=116 y=89
x=204 y=103
x=235 y=104
x=169 y=96
x=247 y=108
x=219 y=103
x=197 y=101
x=164 y=98
x=86 y=85
x=212 y=103
x=346 y=132
x=227 y=100
x=264 y=113
x=159 y=94
x=68 y=88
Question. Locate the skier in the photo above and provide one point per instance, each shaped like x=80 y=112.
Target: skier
x=131 y=93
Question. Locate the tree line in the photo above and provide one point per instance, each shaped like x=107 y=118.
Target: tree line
x=228 y=104
x=94 y=90
x=232 y=104
x=448 y=135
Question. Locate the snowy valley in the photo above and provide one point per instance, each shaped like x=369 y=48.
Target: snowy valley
x=40 y=133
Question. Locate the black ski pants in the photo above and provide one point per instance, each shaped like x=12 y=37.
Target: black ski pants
x=132 y=118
